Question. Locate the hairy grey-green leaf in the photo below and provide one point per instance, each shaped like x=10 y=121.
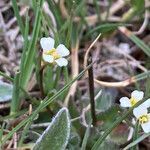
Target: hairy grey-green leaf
x=56 y=136
x=5 y=91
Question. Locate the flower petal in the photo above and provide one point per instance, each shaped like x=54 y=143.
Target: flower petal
x=125 y=102
x=139 y=111
x=48 y=58
x=146 y=104
x=47 y=43
x=62 y=50
x=138 y=95
x=146 y=127
x=130 y=135
x=62 y=62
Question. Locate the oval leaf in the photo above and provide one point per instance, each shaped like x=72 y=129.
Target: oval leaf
x=56 y=136
x=5 y=91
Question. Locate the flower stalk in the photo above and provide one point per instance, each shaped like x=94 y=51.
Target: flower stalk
x=91 y=91
x=15 y=103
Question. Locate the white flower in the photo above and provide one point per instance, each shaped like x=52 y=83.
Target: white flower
x=51 y=55
x=141 y=113
x=135 y=97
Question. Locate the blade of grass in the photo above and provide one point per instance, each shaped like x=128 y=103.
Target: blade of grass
x=44 y=25
x=19 y=113
x=147 y=87
x=135 y=136
x=15 y=102
x=1 y=133
x=136 y=40
x=27 y=70
x=49 y=22
x=106 y=28
x=69 y=25
x=23 y=56
x=56 y=12
x=142 y=76
x=141 y=138
x=140 y=44
x=19 y=20
x=108 y=9
x=6 y=76
x=95 y=2
x=25 y=130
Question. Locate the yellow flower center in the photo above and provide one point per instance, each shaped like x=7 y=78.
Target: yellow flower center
x=133 y=101
x=143 y=119
x=53 y=53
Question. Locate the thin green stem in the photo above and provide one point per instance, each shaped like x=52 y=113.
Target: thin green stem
x=26 y=129
x=97 y=9
x=41 y=82
x=58 y=71
x=15 y=103
x=19 y=113
x=65 y=71
x=6 y=76
x=135 y=136
x=86 y=136
x=41 y=76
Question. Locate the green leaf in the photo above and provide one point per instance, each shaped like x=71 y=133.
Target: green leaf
x=140 y=44
x=5 y=91
x=106 y=99
x=106 y=27
x=109 y=116
x=138 y=4
x=56 y=136
x=147 y=87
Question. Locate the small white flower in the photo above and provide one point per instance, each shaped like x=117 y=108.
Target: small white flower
x=51 y=55
x=135 y=97
x=141 y=113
